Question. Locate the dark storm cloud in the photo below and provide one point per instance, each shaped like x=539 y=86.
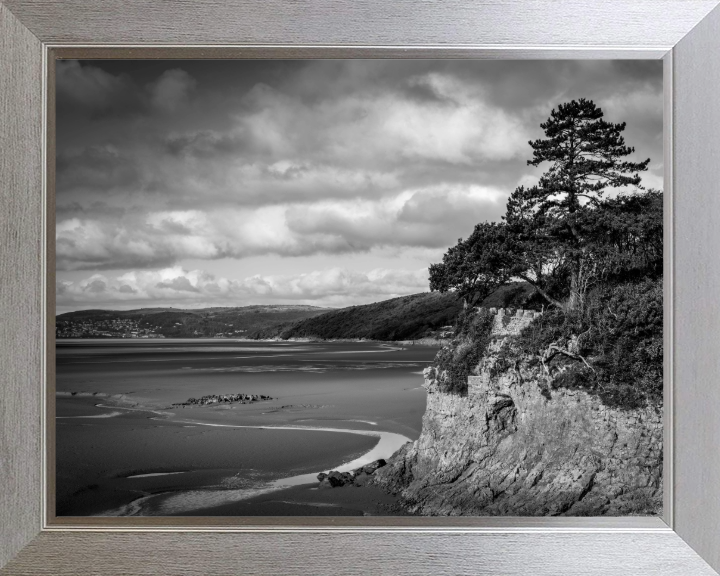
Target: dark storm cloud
x=205 y=144
x=90 y=91
x=97 y=168
x=163 y=161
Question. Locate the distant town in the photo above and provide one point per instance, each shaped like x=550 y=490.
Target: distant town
x=122 y=328
x=230 y=322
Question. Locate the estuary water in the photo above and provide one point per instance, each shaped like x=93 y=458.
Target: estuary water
x=127 y=446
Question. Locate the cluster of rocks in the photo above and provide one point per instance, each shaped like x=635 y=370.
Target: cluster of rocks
x=357 y=477
x=220 y=398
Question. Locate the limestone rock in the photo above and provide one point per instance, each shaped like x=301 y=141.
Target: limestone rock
x=508 y=449
x=373 y=466
x=358 y=477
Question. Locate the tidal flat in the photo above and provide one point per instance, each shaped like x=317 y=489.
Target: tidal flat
x=126 y=444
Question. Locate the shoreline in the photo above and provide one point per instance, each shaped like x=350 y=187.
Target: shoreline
x=419 y=342
x=180 y=502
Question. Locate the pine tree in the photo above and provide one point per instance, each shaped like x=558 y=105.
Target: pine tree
x=562 y=235
x=586 y=158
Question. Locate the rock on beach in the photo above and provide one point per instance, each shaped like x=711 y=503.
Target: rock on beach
x=358 y=477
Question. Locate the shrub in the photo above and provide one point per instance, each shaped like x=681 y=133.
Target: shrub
x=620 y=337
x=456 y=361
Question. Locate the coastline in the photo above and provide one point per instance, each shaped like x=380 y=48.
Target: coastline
x=193 y=501
x=419 y=342
x=188 y=489
x=124 y=436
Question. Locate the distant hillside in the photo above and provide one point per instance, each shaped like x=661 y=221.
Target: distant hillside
x=404 y=318
x=243 y=322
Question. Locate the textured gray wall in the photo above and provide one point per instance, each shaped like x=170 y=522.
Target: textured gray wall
x=20 y=284
x=697 y=282
x=531 y=23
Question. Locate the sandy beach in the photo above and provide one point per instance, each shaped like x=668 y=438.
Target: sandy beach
x=123 y=448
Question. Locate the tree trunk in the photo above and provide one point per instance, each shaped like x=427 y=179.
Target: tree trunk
x=573 y=300
x=540 y=291
x=578 y=286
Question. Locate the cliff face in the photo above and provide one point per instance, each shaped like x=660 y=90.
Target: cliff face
x=514 y=447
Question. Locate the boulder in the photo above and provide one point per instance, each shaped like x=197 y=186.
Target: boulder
x=358 y=477
x=370 y=468
x=335 y=478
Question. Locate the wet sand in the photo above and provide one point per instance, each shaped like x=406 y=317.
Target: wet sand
x=128 y=451
x=308 y=500
x=96 y=460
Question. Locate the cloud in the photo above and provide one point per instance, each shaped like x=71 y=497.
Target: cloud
x=428 y=218
x=95 y=286
x=370 y=127
x=333 y=287
x=97 y=168
x=422 y=218
x=178 y=284
x=161 y=165
x=89 y=90
x=256 y=133
x=172 y=90
x=204 y=143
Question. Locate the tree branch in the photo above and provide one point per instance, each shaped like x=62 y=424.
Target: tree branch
x=541 y=291
x=555 y=348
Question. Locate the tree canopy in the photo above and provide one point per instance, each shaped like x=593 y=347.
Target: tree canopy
x=563 y=236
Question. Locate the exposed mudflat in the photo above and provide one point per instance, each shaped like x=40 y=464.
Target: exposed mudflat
x=124 y=449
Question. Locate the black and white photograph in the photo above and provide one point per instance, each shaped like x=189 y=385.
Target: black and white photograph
x=358 y=288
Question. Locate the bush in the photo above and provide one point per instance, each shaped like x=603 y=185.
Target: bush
x=621 y=337
x=457 y=361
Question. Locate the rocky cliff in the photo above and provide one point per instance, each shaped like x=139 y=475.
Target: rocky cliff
x=515 y=446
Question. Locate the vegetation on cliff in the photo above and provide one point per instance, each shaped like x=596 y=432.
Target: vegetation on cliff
x=615 y=345
x=456 y=361
x=595 y=263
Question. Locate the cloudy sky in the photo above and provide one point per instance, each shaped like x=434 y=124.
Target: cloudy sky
x=332 y=183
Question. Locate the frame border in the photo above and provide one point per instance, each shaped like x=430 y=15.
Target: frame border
x=589 y=550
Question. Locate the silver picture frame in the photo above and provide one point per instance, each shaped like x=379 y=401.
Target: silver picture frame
x=685 y=34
